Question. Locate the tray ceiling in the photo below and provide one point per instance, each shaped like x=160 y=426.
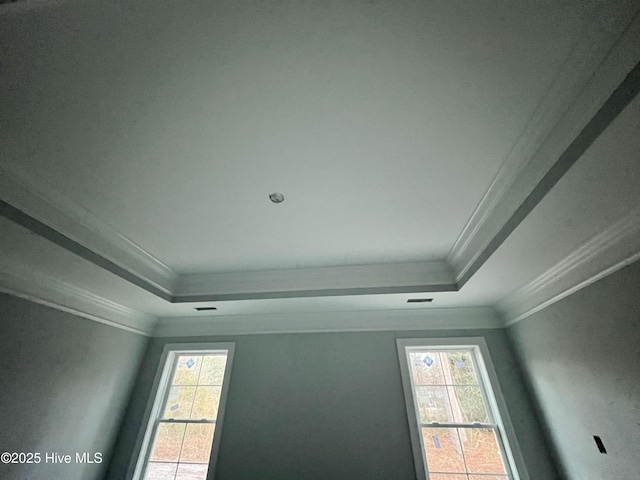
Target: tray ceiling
x=144 y=139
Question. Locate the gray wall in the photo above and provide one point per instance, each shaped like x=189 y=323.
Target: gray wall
x=582 y=359
x=65 y=382
x=325 y=406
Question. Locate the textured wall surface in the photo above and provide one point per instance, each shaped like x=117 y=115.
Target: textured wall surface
x=582 y=359
x=65 y=383
x=325 y=406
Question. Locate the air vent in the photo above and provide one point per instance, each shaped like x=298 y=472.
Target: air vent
x=420 y=300
x=205 y=309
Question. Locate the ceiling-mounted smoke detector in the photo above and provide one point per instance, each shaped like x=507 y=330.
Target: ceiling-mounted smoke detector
x=276 y=197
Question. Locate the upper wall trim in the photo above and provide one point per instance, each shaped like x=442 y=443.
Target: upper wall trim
x=23 y=282
x=315 y=282
x=607 y=252
x=326 y=292
x=605 y=116
x=155 y=277
x=24 y=220
x=577 y=108
x=312 y=322
x=35 y=205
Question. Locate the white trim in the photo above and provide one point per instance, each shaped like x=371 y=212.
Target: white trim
x=600 y=61
x=37 y=287
x=312 y=322
x=493 y=395
x=419 y=459
x=610 y=250
x=158 y=394
x=39 y=200
x=320 y=278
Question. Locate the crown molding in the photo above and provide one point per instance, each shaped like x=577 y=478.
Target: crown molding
x=311 y=282
x=319 y=322
x=71 y=222
x=607 y=252
x=39 y=208
x=604 y=55
x=24 y=282
x=597 y=66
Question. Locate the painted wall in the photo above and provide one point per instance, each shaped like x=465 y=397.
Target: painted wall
x=325 y=406
x=582 y=359
x=65 y=382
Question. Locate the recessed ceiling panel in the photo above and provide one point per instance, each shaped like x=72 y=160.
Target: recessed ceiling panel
x=382 y=123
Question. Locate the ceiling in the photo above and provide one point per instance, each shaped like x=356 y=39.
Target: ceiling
x=481 y=154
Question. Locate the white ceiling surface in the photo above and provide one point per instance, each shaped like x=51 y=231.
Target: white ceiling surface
x=383 y=123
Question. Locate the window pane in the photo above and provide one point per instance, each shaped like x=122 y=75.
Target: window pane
x=433 y=404
x=452 y=400
x=188 y=471
x=426 y=368
x=187 y=370
x=212 y=371
x=206 y=403
x=471 y=405
x=179 y=402
x=447 y=476
x=443 y=450
x=160 y=471
x=180 y=435
x=197 y=443
x=461 y=368
x=488 y=477
x=167 y=443
x=481 y=451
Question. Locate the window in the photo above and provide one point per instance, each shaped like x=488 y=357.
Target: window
x=183 y=430
x=456 y=412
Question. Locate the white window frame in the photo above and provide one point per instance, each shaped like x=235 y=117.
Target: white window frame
x=158 y=395
x=489 y=386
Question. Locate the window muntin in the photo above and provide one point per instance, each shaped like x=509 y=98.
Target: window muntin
x=457 y=426
x=181 y=436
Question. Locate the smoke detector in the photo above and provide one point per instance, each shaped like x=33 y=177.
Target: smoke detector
x=276 y=197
